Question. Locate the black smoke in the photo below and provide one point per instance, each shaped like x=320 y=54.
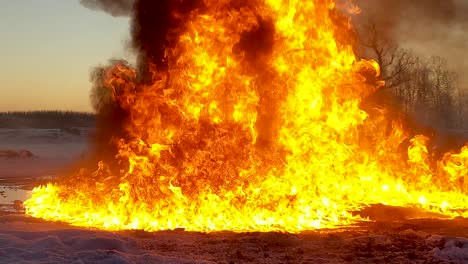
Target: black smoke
x=155 y=26
x=113 y=7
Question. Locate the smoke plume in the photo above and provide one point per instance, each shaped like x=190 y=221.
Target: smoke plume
x=155 y=26
x=113 y=7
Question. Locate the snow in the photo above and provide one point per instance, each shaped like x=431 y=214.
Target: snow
x=28 y=240
x=454 y=249
x=52 y=150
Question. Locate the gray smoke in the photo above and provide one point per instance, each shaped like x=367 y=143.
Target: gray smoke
x=428 y=27
x=112 y=7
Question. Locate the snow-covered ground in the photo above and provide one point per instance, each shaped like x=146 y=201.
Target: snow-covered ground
x=27 y=240
x=52 y=150
x=389 y=238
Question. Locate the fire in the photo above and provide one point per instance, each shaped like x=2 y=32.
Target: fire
x=249 y=133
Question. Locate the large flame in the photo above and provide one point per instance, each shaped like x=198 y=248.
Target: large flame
x=255 y=133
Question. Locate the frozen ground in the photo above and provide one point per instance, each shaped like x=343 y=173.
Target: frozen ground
x=27 y=240
x=390 y=238
x=51 y=149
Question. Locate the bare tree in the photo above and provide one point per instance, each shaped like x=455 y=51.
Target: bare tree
x=392 y=59
x=423 y=88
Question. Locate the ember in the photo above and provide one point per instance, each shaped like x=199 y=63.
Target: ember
x=254 y=124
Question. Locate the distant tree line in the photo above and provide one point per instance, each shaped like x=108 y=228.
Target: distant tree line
x=47 y=119
x=423 y=89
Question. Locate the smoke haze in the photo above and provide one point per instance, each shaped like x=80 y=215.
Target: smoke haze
x=112 y=7
x=428 y=27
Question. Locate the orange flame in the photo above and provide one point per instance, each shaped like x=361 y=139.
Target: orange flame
x=229 y=139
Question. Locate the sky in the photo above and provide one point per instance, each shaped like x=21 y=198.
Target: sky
x=47 y=50
x=48 y=47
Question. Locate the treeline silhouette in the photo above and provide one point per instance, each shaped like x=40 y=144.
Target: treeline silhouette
x=47 y=119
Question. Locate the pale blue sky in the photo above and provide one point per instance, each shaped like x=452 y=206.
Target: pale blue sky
x=47 y=48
